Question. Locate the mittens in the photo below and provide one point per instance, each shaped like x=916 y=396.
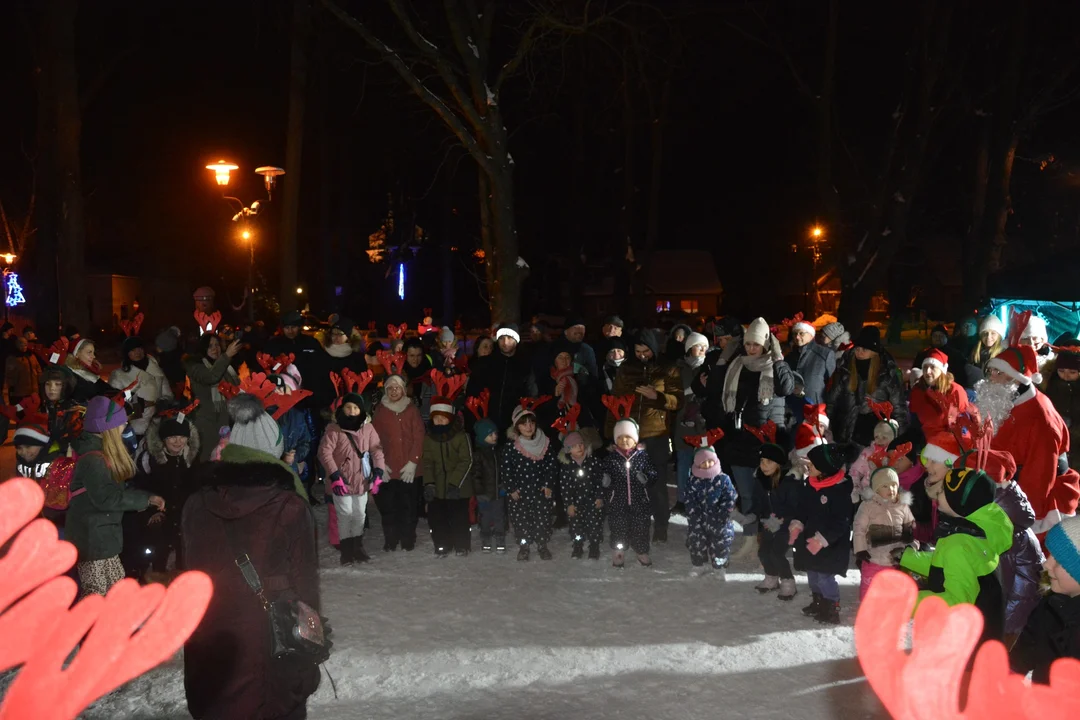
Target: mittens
x=641 y=478
x=429 y=493
x=861 y=557
x=408 y=473
x=773 y=523
x=794 y=530
x=816 y=544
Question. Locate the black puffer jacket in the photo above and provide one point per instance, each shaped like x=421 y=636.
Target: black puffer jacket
x=508 y=377
x=850 y=417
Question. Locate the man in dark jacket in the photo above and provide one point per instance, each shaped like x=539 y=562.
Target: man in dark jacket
x=658 y=393
x=815 y=364
x=504 y=374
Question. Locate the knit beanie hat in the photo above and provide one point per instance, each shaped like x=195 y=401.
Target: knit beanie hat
x=772 y=451
x=446 y=335
x=869 y=338
x=695 y=339
x=574 y=438
x=32 y=432
x=614 y=320
x=757 y=332
x=890 y=426
x=508 y=330
x=828 y=459
x=102 y=413
x=130 y=343
x=356 y=399
x=442 y=406
x=345 y=325
x=483 y=428
x=168 y=339
x=992 y=322
x=701 y=456
x=967 y=490
x=519 y=414
x=883 y=476
x=395 y=380
x=832 y=331
x=1063 y=541
x=292 y=319
x=626 y=427
x=1067 y=361
x=171 y=427
x=253 y=427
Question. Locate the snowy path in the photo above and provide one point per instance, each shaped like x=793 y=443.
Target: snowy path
x=489 y=637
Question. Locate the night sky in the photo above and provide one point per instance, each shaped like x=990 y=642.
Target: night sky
x=198 y=80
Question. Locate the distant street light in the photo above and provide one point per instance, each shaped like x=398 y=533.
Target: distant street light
x=246 y=234
x=816 y=232
x=299 y=291
x=221 y=170
x=270 y=174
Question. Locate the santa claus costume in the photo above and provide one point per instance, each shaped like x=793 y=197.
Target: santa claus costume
x=1036 y=436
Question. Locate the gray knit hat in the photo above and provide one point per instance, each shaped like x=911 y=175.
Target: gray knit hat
x=446 y=335
x=832 y=331
x=167 y=339
x=253 y=427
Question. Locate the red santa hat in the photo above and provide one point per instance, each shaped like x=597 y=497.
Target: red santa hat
x=442 y=406
x=1036 y=327
x=943 y=448
x=1019 y=363
x=807 y=438
x=936 y=358
x=997 y=464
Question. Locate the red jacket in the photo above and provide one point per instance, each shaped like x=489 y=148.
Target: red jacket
x=932 y=418
x=402 y=435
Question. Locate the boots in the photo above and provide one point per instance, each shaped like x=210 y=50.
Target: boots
x=659 y=533
x=523 y=553
x=578 y=551
x=358 y=550
x=771 y=582
x=618 y=559
x=645 y=560
x=815 y=605
x=719 y=568
x=829 y=612
x=485 y=543
x=545 y=554
x=594 y=551
x=787 y=589
x=345 y=548
x=500 y=543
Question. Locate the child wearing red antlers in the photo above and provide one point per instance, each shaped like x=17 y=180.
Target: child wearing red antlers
x=710 y=499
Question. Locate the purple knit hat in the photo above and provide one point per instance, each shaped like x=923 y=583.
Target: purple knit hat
x=102 y=413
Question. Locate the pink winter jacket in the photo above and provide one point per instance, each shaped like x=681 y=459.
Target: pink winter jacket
x=860 y=472
x=881 y=525
x=402 y=435
x=336 y=454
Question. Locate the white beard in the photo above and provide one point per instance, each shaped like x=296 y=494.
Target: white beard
x=995 y=401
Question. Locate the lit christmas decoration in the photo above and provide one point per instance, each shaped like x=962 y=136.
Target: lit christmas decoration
x=401 y=281
x=13 y=290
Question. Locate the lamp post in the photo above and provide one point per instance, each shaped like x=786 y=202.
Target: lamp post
x=222 y=170
x=817 y=239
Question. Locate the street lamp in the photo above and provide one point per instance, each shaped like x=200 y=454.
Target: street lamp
x=817 y=232
x=221 y=170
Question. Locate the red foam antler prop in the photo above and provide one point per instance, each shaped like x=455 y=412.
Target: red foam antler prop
x=27 y=406
x=355 y=382
x=131 y=327
x=260 y=386
x=448 y=387
x=531 y=404
x=207 y=323
x=55 y=354
x=765 y=433
x=275 y=365
x=925 y=684
x=1018 y=322
x=228 y=390
x=478 y=405
x=392 y=363
x=619 y=405
x=568 y=422
x=883 y=410
x=123 y=634
x=707 y=440
x=179 y=412
x=397 y=332
x=790 y=322
x=812 y=415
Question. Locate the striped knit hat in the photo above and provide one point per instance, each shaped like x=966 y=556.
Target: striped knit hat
x=32 y=431
x=1063 y=542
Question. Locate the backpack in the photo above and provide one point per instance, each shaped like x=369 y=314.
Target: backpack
x=57 y=482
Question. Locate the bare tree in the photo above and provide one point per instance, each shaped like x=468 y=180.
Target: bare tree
x=468 y=103
x=298 y=67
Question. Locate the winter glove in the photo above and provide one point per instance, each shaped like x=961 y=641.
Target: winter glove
x=743 y=520
x=907 y=534
x=897 y=554
x=408 y=473
x=861 y=557
x=606 y=481
x=429 y=493
x=816 y=544
x=338 y=486
x=794 y=530
x=773 y=523
x=640 y=477
x=453 y=493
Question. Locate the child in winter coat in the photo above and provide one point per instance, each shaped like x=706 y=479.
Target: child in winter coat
x=295 y=430
x=628 y=472
x=883 y=522
x=448 y=484
x=1053 y=628
x=581 y=478
x=961 y=567
x=710 y=498
x=352 y=457
x=823 y=519
x=778 y=503
x=530 y=471
x=861 y=469
x=490 y=494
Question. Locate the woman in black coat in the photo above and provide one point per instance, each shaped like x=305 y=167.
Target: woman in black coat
x=228 y=669
x=867 y=372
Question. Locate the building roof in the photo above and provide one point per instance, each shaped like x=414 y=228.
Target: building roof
x=682 y=272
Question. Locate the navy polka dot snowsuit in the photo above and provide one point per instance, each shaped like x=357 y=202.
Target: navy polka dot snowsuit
x=531 y=514
x=628 y=505
x=581 y=486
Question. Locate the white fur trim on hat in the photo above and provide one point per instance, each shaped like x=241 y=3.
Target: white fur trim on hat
x=803 y=326
x=695 y=339
x=939 y=454
x=626 y=427
x=992 y=322
x=998 y=363
x=933 y=359
x=442 y=408
x=30 y=433
x=757 y=332
x=1036 y=327
x=507 y=332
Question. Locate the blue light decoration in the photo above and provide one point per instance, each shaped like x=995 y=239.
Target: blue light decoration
x=13 y=290
x=401 y=281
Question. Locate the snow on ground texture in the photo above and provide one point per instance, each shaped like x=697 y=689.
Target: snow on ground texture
x=489 y=637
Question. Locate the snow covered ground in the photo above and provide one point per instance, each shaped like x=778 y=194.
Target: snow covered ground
x=489 y=637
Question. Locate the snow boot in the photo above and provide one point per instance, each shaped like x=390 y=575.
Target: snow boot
x=644 y=560
x=545 y=554
x=719 y=570
x=345 y=548
x=697 y=569
x=618 y=559
x=500 y=543
x=787 y=589
x=829 y=613
x=523 y=553
x=442 y=553
x=594 y=551
x=815 y=605
x=771 y=582
x=358 y=550
x=578 y=551
x=660 y=534
x=485 y=543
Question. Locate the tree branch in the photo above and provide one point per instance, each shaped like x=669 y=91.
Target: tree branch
x=475 y=68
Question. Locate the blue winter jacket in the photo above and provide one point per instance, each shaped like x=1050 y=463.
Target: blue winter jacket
x=714 y=496
x=296 y=435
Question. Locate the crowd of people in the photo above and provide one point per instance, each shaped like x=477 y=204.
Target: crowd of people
x=806 y=440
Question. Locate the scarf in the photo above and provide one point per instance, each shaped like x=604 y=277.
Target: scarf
x=449 y=355
x=694 y=362
x=820 y=483
x=568 y=393
x=341 y=350
x=141 y=364
x=534 y=448
x=761 y=364
x=395 y=407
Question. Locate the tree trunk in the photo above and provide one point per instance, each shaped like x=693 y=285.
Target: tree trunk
x=301 y=30
x=830 y=202
x=508 y=277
